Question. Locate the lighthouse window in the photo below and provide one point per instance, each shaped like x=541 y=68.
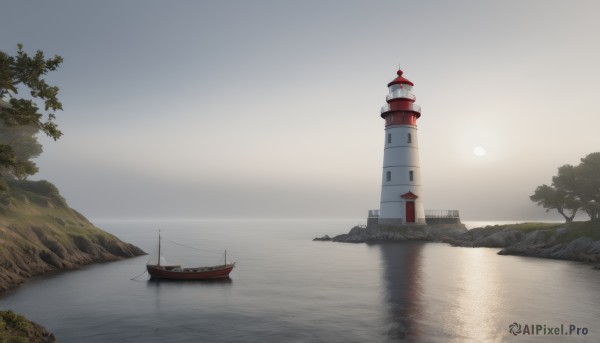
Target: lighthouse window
x=409 y=138
x=411 y=175
x=389 y=138
x=388 y=176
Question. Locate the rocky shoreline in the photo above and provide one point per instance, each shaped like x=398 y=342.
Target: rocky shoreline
x=577 y=241
x=378 y=233
x=47 y=254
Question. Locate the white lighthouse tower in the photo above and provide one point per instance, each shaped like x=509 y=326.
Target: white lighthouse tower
x=401 y=197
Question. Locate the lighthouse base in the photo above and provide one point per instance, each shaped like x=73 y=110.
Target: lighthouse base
x=399 y=221
x=373 y=221
x=432 y=217
x=443 y=221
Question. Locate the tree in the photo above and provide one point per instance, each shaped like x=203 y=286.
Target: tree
x=551 y=198
x=7 y=158
x=573 y=188
x=24 y=145
x=21 y=118
x=588 y=184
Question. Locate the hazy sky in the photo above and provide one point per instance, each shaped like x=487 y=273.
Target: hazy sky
x=271 y=108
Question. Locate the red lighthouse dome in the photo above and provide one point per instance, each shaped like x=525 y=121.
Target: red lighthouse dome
x=400 y=108
x=400 y=79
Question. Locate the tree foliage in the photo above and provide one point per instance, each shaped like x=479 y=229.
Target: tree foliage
x=24 y=145
x=556 y=199
x=573 y=188
x=21 y=117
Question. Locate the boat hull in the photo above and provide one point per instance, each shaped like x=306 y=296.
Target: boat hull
x=199 y=273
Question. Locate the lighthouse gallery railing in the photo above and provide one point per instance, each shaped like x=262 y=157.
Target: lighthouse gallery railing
x=411 y=107
x=442 y=214
x=428 y=214
x=400 y=93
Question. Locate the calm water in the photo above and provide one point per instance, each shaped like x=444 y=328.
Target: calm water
x=287 y=288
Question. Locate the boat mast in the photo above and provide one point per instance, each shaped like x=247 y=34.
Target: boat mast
x=225 y=256
x=158 y=248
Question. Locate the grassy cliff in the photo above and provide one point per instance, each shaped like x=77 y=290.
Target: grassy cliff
x=16 y=328
x=39 y=233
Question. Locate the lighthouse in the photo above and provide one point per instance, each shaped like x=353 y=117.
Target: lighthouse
x=401 y=196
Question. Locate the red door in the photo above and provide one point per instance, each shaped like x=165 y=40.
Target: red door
x=410 y=211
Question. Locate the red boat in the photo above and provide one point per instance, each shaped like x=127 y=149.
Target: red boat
x=176 y=272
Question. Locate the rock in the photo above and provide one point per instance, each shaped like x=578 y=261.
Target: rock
x=51 y=259
x=577 y=241
x=479 y=233
x=594 y=248
x=499 y=239
x=401 y=233
x=582 y=249
x=576 y=250
x=324 y=238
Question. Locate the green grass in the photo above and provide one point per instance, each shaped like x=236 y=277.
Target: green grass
x=45 y=210
x=13 y=328
x=532 y=226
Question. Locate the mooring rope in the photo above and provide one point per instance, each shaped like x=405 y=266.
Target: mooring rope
x=133 y=279
x=145 y=271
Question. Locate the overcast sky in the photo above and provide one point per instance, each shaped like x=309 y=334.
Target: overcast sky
x=237 y=109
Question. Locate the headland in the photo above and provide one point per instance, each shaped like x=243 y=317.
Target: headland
x=575 y=241
x=40 y=233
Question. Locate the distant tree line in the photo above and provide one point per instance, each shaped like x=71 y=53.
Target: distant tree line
x=21 y=118
x=574 y=188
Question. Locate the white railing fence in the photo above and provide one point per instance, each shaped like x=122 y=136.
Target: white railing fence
x=442 y=214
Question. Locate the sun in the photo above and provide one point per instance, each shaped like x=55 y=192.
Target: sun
x=479 y=151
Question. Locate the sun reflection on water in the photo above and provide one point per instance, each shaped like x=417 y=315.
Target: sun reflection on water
x=479 y=300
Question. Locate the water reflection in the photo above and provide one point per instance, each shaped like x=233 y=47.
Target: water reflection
x=170 y=294
x=465 y=297
x=402 y=280
x=479 y=302
x=210 y=282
